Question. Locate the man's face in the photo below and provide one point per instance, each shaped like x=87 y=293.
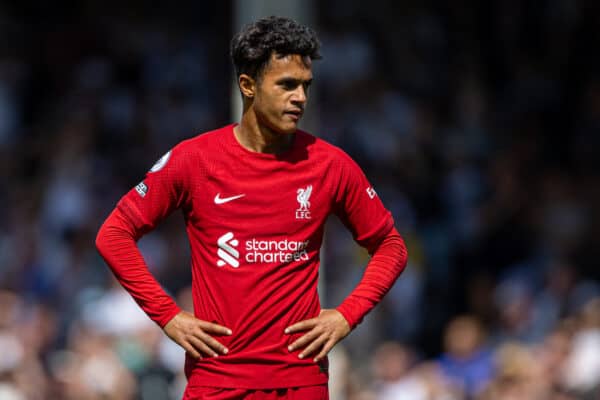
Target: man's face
x=282 y=92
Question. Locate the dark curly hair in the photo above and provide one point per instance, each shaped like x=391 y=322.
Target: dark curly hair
x=252 y=47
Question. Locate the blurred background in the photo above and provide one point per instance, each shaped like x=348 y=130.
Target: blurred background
x=477 y=122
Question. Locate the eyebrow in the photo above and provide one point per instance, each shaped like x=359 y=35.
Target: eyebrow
x=294 y=80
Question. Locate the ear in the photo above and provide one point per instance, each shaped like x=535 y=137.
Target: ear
x=247 y=85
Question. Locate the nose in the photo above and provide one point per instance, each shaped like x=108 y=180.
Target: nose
x=300 y=95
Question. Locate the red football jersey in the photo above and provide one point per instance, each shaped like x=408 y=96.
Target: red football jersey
x=255 y=225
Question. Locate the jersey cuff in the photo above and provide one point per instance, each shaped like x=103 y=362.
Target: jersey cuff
x=168 y=316
x=345 y=310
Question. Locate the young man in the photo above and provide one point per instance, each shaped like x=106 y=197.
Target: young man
x=255 y=197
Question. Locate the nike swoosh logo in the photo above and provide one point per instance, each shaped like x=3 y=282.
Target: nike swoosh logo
x=219 y=200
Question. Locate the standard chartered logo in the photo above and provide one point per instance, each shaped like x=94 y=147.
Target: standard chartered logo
x=275 y=251
x=227 y=251
x=260 y=251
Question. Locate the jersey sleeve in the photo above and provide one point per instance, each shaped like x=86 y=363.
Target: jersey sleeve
x=116 y=244
x=372 y=226
x=358 y=206
x=163 y=190
x=388 y=261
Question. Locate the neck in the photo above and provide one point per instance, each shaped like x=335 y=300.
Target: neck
x=259 y=138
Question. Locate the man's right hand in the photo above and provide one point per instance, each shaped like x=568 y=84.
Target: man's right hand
x=194 y=336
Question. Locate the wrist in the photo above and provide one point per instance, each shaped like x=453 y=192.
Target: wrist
x=168 y=316
x=345 y=312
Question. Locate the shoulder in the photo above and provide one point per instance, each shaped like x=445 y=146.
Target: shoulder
x=192 y=154
x=201 y=147
x=324 y=150
x=342 y=170
x=204 y=141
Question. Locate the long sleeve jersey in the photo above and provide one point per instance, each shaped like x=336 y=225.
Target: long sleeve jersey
x=255 y=225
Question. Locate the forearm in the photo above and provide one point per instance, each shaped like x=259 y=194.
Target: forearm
x=385 y=266
x=117 y=245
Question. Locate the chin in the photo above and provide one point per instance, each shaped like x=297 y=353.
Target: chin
x=287 y=129
x=291 y=127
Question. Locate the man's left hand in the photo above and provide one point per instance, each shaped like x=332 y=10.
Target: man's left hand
x=323 y=333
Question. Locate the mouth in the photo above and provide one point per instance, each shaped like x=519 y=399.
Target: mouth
x=295 y=115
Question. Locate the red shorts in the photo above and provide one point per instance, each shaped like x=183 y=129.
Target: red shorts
x=319 y=392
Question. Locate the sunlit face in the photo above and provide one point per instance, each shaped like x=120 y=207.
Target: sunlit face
x=281 y=92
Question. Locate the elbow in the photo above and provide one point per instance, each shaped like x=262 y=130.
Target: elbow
x=113 y=231
x=401 y=251
x=396 y=245
x=403 y=255
x=101 y=240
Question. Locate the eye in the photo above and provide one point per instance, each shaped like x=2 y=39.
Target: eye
x=288 y=84
x=306 y=86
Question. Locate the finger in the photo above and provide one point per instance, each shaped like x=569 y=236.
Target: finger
x=304 y=340
x=325 y=350
x=214 y=328
x=191 y=350
x=301 y=326
x=313 y=346
x=202 y=347
x=212 y=342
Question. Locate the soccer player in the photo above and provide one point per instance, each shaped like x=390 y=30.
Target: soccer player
x=255 y=196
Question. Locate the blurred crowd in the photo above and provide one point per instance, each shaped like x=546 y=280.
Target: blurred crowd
x=477 y=122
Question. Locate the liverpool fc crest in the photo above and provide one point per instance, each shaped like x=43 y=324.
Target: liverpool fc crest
x=303 y=199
